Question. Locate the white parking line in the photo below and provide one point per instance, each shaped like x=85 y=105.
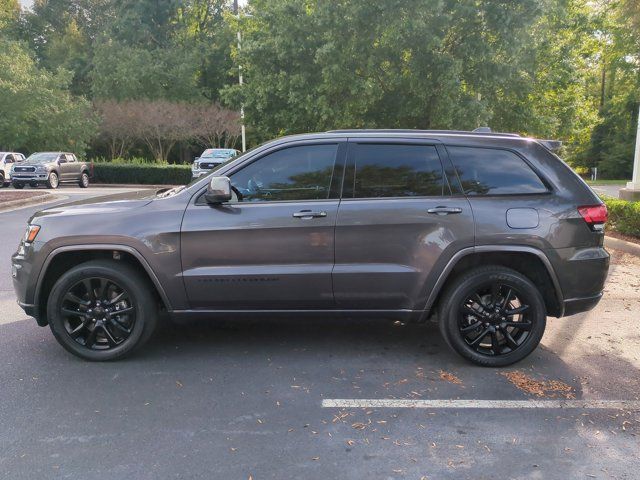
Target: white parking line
x=483 y=404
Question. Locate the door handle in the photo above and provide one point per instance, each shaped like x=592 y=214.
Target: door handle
x=308 y=214
x=444 y=210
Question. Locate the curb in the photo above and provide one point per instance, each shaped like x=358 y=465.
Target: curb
x=622 y=245
x=27 y=202
x=128 y=185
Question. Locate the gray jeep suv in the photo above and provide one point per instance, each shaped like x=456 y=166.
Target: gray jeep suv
x=487 y=234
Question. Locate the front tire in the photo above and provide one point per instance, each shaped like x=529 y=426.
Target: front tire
x=84 y=180
x=492 y=316
x=102 y=310
x=53 y=181
x=18 y=186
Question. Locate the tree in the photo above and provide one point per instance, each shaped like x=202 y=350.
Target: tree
x=214 y=126
x=37 y=111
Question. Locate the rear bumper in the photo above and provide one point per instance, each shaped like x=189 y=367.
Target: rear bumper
x=579 y=305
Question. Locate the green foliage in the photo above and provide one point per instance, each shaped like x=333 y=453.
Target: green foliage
x=37 y=111
x=624 y=216
x=141 y=173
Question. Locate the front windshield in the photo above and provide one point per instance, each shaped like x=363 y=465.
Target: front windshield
x=42 y=157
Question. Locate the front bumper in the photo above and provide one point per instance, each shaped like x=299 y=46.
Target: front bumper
x=28 y=177
x=24 y=274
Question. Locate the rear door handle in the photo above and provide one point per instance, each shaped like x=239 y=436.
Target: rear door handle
x=444 y=210
x=308 y=214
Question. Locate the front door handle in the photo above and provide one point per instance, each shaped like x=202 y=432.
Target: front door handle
x=444 y=210
x=308 y=214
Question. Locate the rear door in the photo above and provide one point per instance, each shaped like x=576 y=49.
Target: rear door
x=398 y=224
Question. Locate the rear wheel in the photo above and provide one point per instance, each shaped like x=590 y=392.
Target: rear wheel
x=102 y=310
x=52 y=180
x=84 y=180
x=493 y=316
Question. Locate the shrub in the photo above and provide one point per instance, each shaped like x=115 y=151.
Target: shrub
x=141 y=173
x=624 y=217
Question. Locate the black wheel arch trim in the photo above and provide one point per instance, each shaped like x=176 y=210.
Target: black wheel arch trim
x=444 y=275
x=106 y=247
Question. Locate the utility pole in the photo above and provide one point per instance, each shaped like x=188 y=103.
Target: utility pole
x=632 y=192
x=236 y=12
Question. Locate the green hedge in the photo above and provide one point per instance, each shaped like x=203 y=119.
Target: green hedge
x=624 y=217
x=148 y=174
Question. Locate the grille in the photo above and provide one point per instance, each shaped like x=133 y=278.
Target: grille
x=24 y=169
x=208 y=165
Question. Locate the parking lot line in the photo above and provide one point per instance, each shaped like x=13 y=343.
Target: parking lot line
x=482 y=404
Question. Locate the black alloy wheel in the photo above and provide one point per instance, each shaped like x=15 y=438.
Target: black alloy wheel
x=98 y=313
x=494 y=319
x=493 y=316
x=102 y=310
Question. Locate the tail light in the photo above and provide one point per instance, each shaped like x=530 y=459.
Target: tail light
x=595 y=216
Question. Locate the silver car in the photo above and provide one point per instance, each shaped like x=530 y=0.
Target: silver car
x=50 y=169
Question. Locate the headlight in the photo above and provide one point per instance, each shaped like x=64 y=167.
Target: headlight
x=31 y=233
x=195 y=166
x=41 y=169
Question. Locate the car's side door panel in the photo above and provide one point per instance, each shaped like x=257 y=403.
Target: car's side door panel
x=388 y=249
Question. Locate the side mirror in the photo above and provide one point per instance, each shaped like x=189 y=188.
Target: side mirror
x=218 y=191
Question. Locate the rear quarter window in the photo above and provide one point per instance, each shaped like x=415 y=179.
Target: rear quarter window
x=491 y=171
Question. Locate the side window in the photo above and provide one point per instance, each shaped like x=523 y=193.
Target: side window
x=487 y=171
x=62 y=158
x=70 y=158
x=295 y=173
x=394 y=170
x=8 y=159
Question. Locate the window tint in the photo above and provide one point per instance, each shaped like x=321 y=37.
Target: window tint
x=386 y=170
x=294 y=173
x=486 y=171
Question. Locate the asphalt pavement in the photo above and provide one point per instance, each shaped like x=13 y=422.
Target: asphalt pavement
x=260 y=399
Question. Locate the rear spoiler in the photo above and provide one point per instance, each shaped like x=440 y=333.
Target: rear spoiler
x=551 y=145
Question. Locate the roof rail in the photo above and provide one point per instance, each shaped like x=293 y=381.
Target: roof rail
x=408 y=130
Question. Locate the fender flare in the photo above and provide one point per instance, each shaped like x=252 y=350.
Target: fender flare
x=444 y=275
x=101 y=246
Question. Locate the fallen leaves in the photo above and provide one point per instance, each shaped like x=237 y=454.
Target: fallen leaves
x=539 y=388
x=450 y=377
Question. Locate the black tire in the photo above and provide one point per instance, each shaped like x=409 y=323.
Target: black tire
x=52 y=180
x=2 y=182
x=138 y=297
x=18 y=186
x=84 y=180
x=473 y=300
x=33 y=184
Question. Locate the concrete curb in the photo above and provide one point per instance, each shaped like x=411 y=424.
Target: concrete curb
x=622 y=245
x=27 y=202
x=128 y=185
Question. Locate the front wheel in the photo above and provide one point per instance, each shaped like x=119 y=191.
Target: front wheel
x=18 y=186
x=101 y=310
x=52 y=180
x=493 y=316
x=84 y=180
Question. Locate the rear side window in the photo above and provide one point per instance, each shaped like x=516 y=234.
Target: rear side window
x=487 y=171
x=393 y=170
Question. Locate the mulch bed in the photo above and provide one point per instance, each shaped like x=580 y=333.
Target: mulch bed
x=622 y=236
x=10 y=195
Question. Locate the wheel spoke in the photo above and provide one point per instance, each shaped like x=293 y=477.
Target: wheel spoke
x=75 y=333
x=478 y=299
x=510 y=340
x=495 y=293
x=495 y=343
x=109 y=336
x=102 y=289
x=87 y=284
x=517 y=310
x=74 y=313
x=524 y=326
x=479 y=338
x=122 y=310
x=75 y=299
x=116 y=299
x=91 y=338
x=471 y=327
x=471 y=311
x=120 y=326
x=506 y=299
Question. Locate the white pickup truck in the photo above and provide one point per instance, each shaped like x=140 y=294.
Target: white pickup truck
x=7 y=159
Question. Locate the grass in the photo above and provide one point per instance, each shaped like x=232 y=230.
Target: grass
x=607 y=182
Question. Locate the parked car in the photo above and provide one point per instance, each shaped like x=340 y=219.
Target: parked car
x=486 y=234
x=7 y=160
x=210 y=159
x=50 y=169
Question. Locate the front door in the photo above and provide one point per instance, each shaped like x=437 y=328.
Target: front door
x=272 y=247
x=398 y=225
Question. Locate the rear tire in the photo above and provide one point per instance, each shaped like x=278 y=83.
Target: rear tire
x=53 y=181
x=492 y=316
x=84 y=180
x=89 y=298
